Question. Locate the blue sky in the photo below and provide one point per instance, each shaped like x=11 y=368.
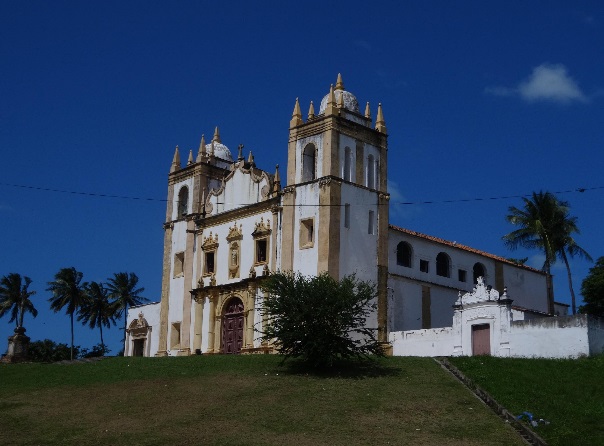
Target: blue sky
x=481 y=99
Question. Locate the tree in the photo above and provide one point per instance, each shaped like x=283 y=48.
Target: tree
x=546 y=224
x=68 y=292
x=592 y=289
x=319 y=319
x=15 y=298
x=123 y=289
x=97 y=310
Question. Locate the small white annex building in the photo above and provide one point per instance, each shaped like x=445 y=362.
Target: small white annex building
x=486 y=323
x=229 y=224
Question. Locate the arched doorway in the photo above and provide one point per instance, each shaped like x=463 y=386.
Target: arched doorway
x=232 y=327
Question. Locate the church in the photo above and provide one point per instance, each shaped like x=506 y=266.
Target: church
x=229 y=224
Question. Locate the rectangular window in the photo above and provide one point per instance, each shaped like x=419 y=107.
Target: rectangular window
x=371 y=225
x=209 y=265
x=461 y=274
x=347 y=215
x=179 y=263
x=424 y=266
x=307 y=233
x=261 y=248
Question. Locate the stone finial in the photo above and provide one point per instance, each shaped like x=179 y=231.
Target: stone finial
x=216 y=137
x=311 y=111
x=330 y=109
x=213 y=280
x=190 y=159
x=175 y=161
x=201 y=153
x=276 y=180
x=380 y=123
x=252 y=274
x=240 y=152
x=296 y=115
x=367 y=111
x=265 y=270
x=211 y=154
x=250 y=159
x=339 y=83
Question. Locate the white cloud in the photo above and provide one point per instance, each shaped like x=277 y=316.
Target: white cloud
x=551 y=82
x=547 y=82
x=398 y=211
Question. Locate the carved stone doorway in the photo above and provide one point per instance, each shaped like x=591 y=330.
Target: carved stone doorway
x=481 y=339
x=232 y=327
x=138 y=347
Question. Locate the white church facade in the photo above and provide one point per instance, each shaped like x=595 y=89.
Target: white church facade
x=229 y=224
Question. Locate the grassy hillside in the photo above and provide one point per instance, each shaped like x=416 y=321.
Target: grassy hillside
x=567 y=393
x=240 y=400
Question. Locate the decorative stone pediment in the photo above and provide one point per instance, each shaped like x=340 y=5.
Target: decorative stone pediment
x=480 y=293
x=235 y=233
x=138 y=327
x=210 y=242
x=262 y=228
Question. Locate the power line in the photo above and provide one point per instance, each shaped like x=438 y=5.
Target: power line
x=90 y=194
x=404 y=203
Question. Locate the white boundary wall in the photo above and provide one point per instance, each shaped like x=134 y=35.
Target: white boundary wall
x=547 y=337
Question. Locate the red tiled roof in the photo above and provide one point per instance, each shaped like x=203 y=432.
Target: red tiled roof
x=462 y=247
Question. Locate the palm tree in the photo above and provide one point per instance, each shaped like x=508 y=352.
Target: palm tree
x=97 y=311
x=68 y=291
x=123 y=289
x=546 y=224
x=15 y=297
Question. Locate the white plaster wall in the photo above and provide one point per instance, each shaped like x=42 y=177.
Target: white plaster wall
x=527 y=288
x=240 y=189
x=406 y=308
x=358 y=248
x=317 y=140
x=428 y=342
x=177 y=284
x=441 y=306
x=177 y=186
x=151 y=314
x=555 y=337
x=305 y=260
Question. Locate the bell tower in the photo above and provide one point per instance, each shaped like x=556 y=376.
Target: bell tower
x=335 y=204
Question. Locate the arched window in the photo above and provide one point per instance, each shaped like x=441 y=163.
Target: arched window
x=404 y=253
x=183 y=201
x=309 y=158
x=371 y=172
x=443 y=265
x=479 y=271
x=347 y=164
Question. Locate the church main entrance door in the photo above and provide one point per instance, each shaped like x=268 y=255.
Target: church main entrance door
x=232 y=327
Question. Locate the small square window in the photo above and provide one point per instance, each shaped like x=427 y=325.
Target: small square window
x=261 y=251
x=307 y=233
x=179 y=263
x=209 y=264
x=424 y=266
x=462 y=275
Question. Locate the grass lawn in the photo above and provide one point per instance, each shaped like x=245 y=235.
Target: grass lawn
x=567 y=393
x=240 y=400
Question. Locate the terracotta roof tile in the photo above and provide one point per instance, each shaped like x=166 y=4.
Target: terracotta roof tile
x=462 y=247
